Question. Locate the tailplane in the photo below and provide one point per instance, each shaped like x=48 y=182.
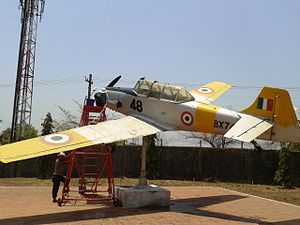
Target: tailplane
x=274 y=104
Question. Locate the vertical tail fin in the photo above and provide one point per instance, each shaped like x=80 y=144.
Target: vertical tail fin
x=274 y=104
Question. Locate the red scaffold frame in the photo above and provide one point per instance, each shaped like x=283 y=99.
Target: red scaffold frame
x=92 y=114
x=91 y=165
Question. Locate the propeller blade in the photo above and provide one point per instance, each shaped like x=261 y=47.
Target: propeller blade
x=111 y=84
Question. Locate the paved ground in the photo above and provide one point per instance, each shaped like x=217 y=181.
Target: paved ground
x=189 y=205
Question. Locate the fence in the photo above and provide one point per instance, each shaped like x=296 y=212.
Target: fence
x=232 y=165
x=185 y=163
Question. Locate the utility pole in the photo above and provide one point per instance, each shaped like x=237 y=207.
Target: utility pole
x=90 y=81
x=31 y=13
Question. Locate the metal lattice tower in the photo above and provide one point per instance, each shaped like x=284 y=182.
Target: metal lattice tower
x=31 y=12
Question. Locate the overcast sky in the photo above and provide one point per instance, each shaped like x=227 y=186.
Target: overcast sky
x=249 y=44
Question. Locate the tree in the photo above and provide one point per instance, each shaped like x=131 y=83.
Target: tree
x=29 y=132
x=294 y=147
x=152 y=158
x=215 y=141
x=282 y=175
x=44 y=163
x=5 y=136
x=70 y=121
x=47 y=125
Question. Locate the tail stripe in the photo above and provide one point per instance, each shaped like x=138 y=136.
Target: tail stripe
x=265 y=104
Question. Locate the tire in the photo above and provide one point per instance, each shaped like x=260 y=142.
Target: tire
x=116 y=202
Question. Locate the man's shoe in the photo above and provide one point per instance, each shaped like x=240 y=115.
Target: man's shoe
x=54 y=200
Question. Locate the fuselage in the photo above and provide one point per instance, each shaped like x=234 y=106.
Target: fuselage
x=169 y=115
x=162 y=108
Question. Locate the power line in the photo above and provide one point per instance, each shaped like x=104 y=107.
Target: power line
x=75 y=80
x=65 y=81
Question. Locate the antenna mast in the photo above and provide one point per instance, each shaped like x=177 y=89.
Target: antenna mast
x=31 y=13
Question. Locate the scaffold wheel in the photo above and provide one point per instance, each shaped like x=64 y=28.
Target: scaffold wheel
x=116 y=202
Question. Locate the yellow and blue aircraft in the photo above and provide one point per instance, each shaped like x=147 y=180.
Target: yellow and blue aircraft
x=151 y=107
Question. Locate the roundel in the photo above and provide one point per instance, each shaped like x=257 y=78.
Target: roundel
x=205 y=90
x=57 y=139
x=187 y=118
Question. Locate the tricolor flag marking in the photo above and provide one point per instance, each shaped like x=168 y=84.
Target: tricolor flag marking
x=265 y=104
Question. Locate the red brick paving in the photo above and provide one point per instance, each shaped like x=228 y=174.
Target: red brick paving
x=189 y=205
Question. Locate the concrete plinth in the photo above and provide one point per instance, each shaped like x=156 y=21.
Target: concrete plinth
x=142 y=196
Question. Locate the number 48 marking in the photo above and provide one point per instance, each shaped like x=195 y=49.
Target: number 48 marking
x=136 y=105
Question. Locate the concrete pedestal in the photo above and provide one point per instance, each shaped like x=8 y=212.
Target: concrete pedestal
x=142 y=196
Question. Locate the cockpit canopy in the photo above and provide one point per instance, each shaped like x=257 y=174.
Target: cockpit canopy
x=162 y=91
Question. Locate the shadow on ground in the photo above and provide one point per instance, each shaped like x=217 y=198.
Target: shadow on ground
x=191 y=206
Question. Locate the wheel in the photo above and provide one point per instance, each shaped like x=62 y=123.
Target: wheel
x=116 y=202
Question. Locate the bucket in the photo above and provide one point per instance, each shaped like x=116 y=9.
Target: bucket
x=90 y=102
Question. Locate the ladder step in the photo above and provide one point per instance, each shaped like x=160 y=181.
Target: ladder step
x=94 y=121
x=91 y=157
x=89 y=174
x=91 y=161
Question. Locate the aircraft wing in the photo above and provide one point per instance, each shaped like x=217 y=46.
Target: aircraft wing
x=248 y=128
x=210 y=92
x=101 y=133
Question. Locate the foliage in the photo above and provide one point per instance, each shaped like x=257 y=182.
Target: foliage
x=282 y=176
x=269 y=145
x=294 y=147
x=43 y=163
x=29 y=132
x=152 y=158
x=47 y=125
x=5 y=136
x=70 y=121
x=215 y=141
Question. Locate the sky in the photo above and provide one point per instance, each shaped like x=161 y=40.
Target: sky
x=249 y=44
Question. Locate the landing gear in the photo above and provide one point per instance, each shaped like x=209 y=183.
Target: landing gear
x=256 y=146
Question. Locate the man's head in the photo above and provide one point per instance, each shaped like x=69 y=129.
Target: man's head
x=61 y=155
x=103 y=91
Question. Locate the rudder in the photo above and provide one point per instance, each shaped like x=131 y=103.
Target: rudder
x=274 y=104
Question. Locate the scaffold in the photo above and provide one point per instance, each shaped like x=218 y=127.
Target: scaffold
x=90 y=172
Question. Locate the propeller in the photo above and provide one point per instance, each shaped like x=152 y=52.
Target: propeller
x=111 y=84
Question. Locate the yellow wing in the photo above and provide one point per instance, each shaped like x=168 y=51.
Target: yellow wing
x=210 y=92
x=101 y=133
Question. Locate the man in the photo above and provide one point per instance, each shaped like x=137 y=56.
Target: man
x=58 y=177
x=101 y=97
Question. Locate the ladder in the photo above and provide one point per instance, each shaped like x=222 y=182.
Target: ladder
x=92 y=115
x=92 y=166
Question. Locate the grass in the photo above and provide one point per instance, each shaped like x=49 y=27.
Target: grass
x=266 y=191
